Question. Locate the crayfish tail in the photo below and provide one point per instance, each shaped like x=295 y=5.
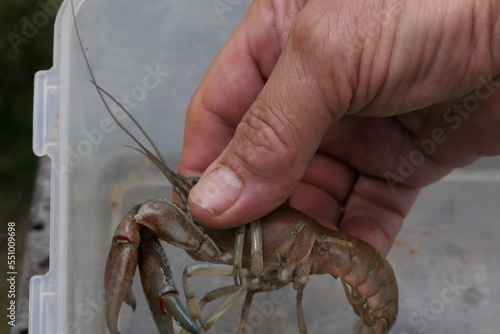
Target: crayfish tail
x=360 y=328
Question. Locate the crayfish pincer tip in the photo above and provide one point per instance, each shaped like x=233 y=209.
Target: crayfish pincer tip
x=112 y=321
x=176 y=309
x=130 y=300
x=113 y=328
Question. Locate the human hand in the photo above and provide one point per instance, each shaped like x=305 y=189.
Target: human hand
x=344 y=108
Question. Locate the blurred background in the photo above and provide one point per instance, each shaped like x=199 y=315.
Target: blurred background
x=24 y=49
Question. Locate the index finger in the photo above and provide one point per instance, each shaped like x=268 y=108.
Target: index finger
x=375 y=213
x=229 y=87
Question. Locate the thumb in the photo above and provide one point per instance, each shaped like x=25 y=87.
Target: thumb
x=268 y=154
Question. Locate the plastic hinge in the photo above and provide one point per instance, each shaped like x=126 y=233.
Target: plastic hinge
x=43 y=301
x=45 y=109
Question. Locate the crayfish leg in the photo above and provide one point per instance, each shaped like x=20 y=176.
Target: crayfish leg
x=288 y=250
x=245 y=311
x=300 y=312
x=238 y=254
x=256 y=251
x=210 y=269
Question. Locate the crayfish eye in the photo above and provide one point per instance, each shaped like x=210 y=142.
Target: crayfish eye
x=195 y=180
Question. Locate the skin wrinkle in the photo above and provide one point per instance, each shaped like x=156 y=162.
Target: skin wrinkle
x=271 y=127
x=495 y=23
x=430 y=43
x=476 y=21
x=484 y=28
x=244 y=161
x=417 y=91
x=370 y=147
x=276 y=151
x=289 y=128
x=368 y=64
x=344 y=93
x=410 y=76
x=480 y=52
x=463 y=37
x=373 y=72
x=389 y=37
x=303 y=37
x=298 y=61
x=387 y=91
x=327 y=37
x=481 y=37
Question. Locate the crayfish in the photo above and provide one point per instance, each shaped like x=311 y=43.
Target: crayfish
x=285 y=246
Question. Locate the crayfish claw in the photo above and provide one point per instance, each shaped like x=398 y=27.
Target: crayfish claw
x=118 y=286
x=159 y=288
x=112 y=322
x=173 y=306
x=119 y=274
x=130 y=300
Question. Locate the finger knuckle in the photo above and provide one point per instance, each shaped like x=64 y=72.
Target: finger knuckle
x=268 y=139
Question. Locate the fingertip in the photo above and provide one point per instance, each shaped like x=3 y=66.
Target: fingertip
x=217 y=191
x=222 y=199
x=368 y=231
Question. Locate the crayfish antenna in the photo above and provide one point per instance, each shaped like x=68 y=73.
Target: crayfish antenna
x=180 y=183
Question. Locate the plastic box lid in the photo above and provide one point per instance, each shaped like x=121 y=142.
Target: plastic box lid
x=151 y=55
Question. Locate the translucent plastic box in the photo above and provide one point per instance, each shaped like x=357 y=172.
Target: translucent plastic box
x=151 y=55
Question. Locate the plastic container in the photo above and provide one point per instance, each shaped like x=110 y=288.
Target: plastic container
x=450 y=237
